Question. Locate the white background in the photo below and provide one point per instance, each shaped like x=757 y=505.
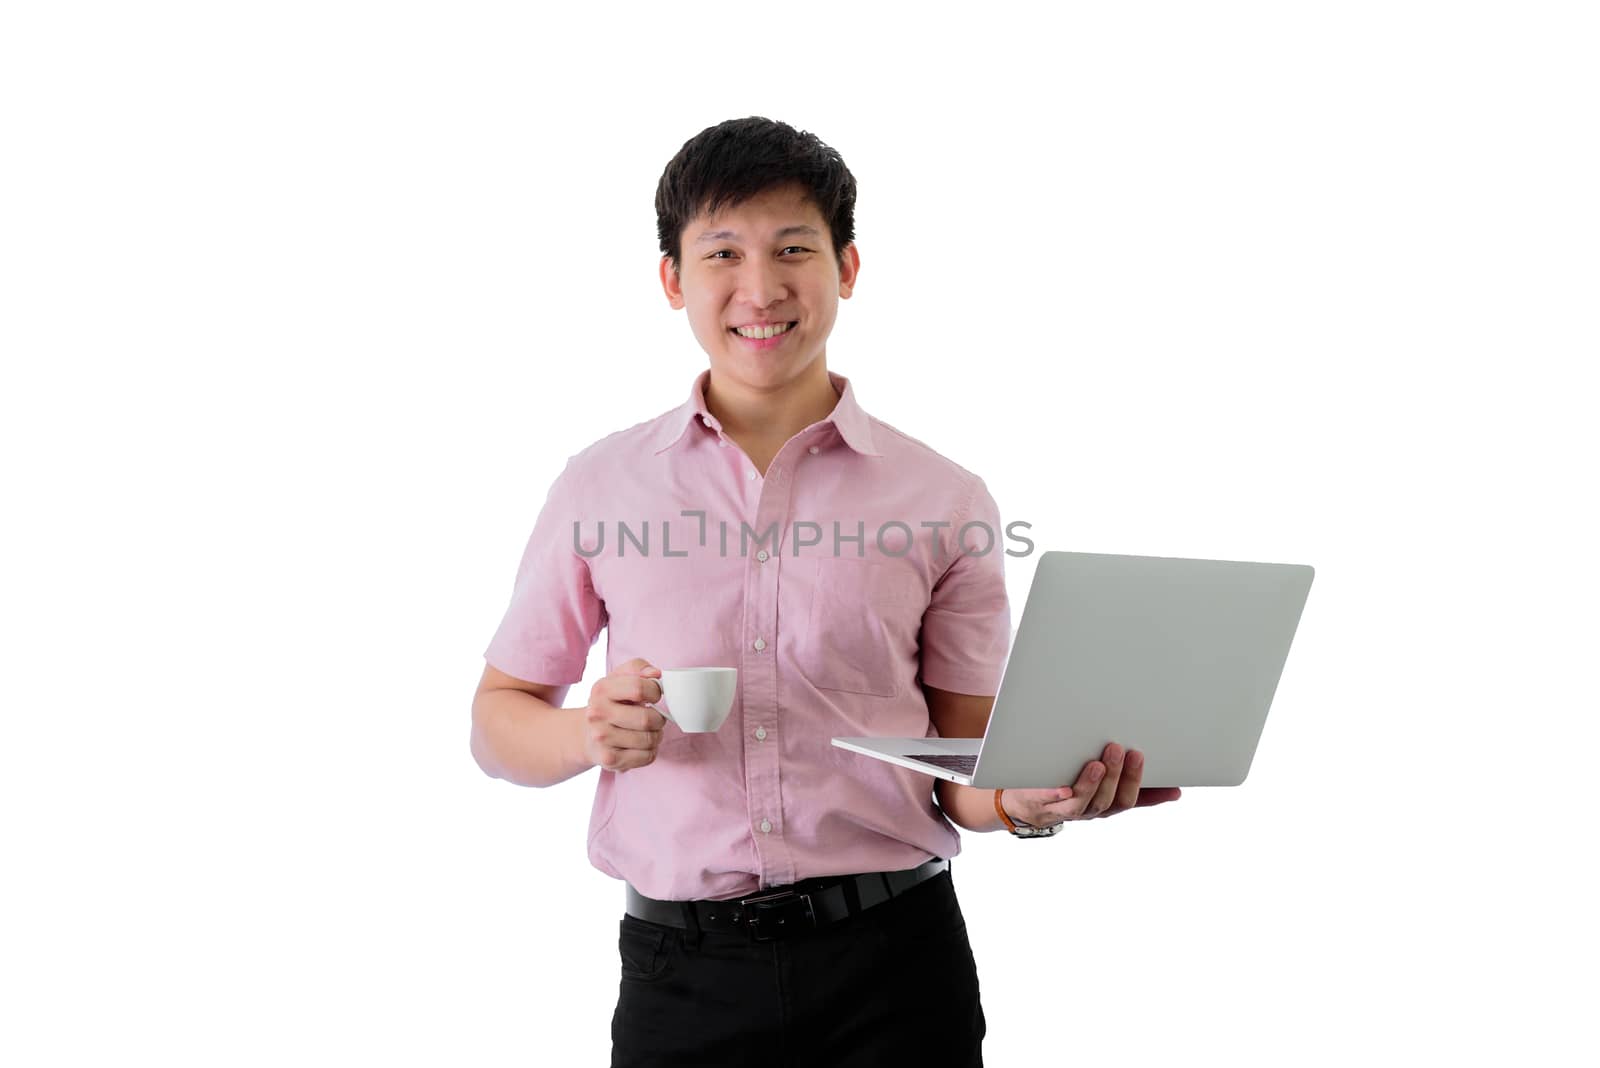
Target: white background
x=304 y=305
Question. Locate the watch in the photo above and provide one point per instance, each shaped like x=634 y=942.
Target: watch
x=1022 y=830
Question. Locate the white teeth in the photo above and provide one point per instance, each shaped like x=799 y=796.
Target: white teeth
x=757 y=332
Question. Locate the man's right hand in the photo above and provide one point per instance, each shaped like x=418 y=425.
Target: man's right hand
x=622 y=730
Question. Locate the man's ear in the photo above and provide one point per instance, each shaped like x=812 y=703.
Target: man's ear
x=670 y=283
x=849 y=267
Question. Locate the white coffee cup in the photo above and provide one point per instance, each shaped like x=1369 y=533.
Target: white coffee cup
x=700 y=697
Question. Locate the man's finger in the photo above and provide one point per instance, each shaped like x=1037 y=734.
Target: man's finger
x=1155 y=795
x=631 y=689
x=646 y=739
x=650 y=690
x=1072 y=808
x=1106 y=792
x=633 y=716
x=1128 y=785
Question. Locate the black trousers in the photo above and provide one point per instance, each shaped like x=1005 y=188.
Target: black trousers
x=894 y=985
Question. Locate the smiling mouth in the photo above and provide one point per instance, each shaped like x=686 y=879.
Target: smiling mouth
x=786 y=328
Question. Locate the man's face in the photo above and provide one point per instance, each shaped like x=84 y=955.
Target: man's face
x=769 y=261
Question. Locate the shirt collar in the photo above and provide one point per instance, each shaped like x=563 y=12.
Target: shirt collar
x=847 y=417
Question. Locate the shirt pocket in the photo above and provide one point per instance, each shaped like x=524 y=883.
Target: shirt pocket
x=858 y=610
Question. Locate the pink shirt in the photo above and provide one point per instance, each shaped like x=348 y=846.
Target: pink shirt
x=825 y=644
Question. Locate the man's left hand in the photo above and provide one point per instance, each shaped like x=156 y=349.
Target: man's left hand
x=1104 y=788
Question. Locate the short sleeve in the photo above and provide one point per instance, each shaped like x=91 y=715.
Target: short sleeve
x=555 y=615
x=966 y=629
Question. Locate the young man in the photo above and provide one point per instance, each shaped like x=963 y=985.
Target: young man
x=839 y=565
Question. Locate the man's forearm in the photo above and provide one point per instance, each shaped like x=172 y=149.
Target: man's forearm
x=519 y=738
x=967 y=806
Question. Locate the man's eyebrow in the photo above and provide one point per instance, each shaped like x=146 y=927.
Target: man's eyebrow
x=729 y=235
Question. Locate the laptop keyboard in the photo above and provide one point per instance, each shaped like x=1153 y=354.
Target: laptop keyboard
x=963 y=764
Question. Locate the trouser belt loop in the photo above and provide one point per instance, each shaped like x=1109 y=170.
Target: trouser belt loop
x=691 y=934
x=852 y=896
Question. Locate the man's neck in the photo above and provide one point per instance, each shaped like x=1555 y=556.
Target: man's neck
x=770 y=419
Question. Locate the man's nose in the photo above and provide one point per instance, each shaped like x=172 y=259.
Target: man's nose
x=760 y=284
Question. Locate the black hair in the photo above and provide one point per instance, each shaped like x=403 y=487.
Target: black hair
x=731 y=162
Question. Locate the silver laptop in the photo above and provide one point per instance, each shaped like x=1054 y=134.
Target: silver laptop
x=1176 y=658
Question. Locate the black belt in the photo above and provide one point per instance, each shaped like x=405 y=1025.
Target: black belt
x=780 y=911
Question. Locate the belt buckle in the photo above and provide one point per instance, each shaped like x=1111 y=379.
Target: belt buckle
x=773 y=916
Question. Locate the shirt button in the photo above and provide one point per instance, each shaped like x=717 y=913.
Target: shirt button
x=751 y=475
x=766 y=826
x=812 y=450
x=761 y=557
x=760 y=644
x=761 y=734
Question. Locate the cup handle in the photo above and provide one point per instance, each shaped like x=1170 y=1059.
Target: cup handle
x=663 y=684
